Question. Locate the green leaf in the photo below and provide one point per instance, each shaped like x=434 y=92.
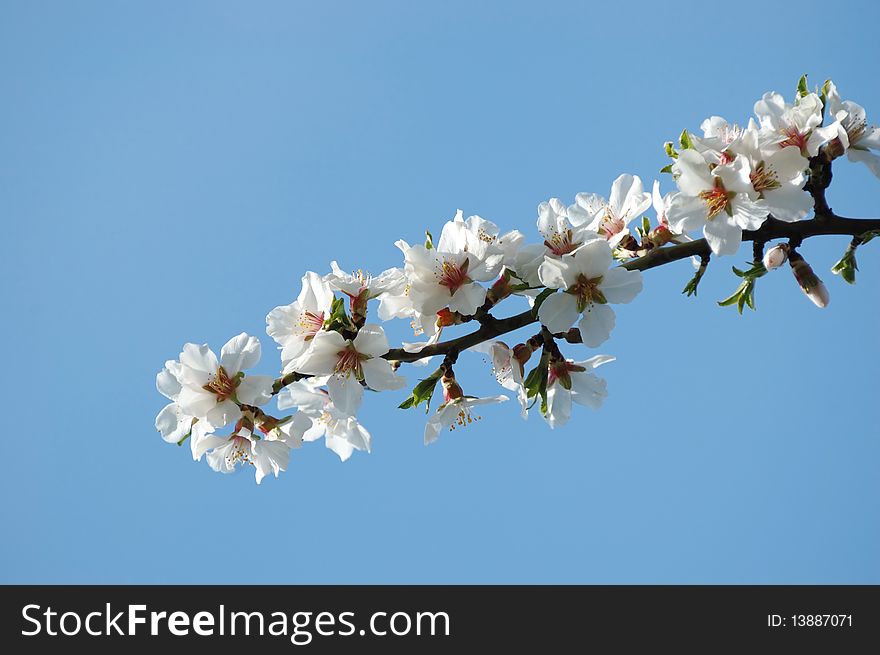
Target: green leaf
x=670 y=150
x=802 y=88
x=429 y=241
x=422 y=392
x=685 y=140
x=667 y=169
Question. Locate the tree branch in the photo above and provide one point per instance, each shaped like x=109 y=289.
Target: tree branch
x=825 y=223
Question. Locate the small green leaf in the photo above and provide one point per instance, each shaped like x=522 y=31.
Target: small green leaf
x=802 y=88
x=429 y=241
x=685 y=140
x=422 y=392
x=670 y=150
x=667 y=169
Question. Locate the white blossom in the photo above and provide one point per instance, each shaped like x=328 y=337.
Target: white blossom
x=294 y=326
x=211 y=390
x=350 y=362
x=588 y=285
x=862 y=140
x=343 y=434
x=718 y=200
x=569 y=381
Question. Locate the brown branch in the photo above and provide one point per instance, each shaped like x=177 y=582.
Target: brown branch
x=822 y=224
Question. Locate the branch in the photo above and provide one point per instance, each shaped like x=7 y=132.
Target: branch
x=825 y=223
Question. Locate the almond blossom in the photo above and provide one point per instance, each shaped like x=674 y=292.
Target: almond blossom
x=588 y=285
x=294 y=326
x=343 y=434
x=348 y=362
x=569 y=381
x=861 y=139
x=611 y=218
x=211 y=390
x=718 y=200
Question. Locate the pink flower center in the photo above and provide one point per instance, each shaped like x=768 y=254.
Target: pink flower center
x=794 y=137
x=561 y=243
x=310 y=324
x=611 y=224
x=453 y=276
x=349 y=362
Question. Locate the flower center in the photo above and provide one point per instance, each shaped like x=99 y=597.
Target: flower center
x=587 y=291
x=349 y=362
x=561 y=370
x=453 y=276
x=240 y=453
x=855 y=130
x=611 y=224
x=561 y=243
x=764 y=178
x=794 y=137
x=726 y=157
x=717 y=200
x=310 y=324
x=222 y=385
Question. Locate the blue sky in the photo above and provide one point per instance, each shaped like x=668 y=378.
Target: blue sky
x=169 y=170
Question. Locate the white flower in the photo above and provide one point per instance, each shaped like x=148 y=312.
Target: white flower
x=362 y=287
x=348 y=363
x=172 y=422
x=267 y=454
x=569 y=381
x=342 y=434
x=212 y=390
x=778 y=176
x=860 y=137
x=447 y=275
x=456 y=412
x=508 y=368
x=611 y=218
x=718 y=201
x=588 y=285
x=784 y=124
x=294 y=326
x=719 y=138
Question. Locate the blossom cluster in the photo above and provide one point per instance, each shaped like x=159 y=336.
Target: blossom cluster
x=332 y=349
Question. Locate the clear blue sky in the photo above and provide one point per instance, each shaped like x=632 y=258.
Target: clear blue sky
x=169 y=170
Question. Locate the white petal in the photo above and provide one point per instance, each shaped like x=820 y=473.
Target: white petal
x=558 y=405
x=620 y=285
x=167 y=383
x=596 y=325
x=223 y=413
x=592 y=259
x=788 y=203
x=380 y=377
x=240 y=352
x=723 y=237
x=270 y=457
x=255 y=390
x=588 y=389
x=686 y=213
x=371 y=341
x=467 y=299
x=346 y=393
x=558 y=312
x=172 y=423
x=200 y=358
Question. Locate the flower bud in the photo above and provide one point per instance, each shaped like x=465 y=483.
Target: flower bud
x=808 y=281
x=776 y=256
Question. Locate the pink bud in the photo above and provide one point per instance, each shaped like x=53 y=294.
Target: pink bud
x=776 y=256
x=819 y=295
